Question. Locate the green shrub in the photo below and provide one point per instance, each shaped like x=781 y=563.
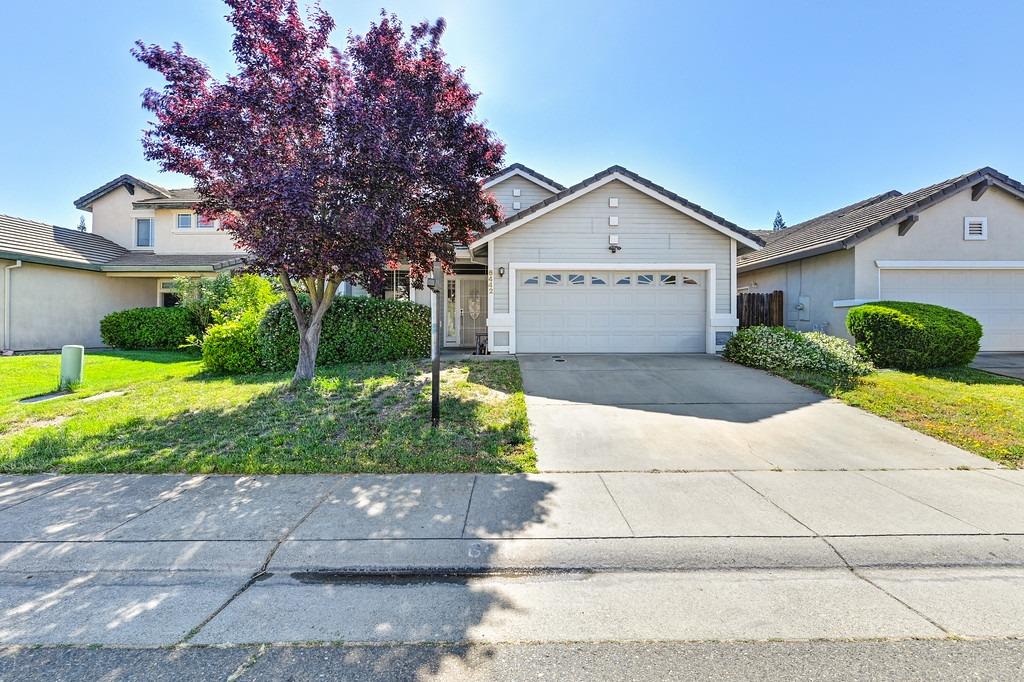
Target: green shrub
x=355 y=329
x=914 y=336
x=224 y=297
x=148 y=328
x=778 y=349
x=232 y=346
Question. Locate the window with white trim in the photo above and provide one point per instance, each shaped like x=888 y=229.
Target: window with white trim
x=668 y=279
x=645 y=278
x=975 y=229
x=597 y=280
x=553 y=278
x=144 y=232
x=532 y=279
x=184 y=221
x=205 y=222
x=624 y=280
x=577 y=279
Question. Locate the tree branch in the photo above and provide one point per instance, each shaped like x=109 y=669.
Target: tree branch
x=293 y=301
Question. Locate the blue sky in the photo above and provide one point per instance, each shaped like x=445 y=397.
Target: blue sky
x=742 y=107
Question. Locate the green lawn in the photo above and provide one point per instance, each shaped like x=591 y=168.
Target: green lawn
x=974 y=410
x=172 y=417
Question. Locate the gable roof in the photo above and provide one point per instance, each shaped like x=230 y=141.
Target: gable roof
x=35 y=242
x=176 y=198
x=41 y=243
x=844 y=227
x=128 y=181
x=637 y=182
x=526 y=172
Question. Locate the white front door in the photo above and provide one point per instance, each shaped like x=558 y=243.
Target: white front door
x=472 y=308
x=465 y=309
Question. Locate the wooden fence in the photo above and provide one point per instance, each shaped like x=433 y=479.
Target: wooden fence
x=760 y=309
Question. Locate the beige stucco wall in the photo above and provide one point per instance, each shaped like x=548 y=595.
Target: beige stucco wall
x=939 y=235
x=112 y=215
x=530 y=194
x=820 y=280
x=114 y=218
x=649 y=232
x=52 y=306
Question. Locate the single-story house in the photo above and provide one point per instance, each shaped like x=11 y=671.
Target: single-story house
x=958 y=243
x=614 y=263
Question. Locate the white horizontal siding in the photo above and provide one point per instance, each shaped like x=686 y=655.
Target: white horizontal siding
x=648 y=230
x=531 y=194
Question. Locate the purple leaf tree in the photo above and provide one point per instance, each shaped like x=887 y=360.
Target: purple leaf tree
x=326 y=165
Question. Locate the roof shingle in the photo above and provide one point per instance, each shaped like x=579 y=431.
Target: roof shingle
x=844 y=227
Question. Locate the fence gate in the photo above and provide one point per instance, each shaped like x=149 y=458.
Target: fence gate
x=760 y=309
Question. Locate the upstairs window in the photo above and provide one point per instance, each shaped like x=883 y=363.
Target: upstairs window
x=184 y=221
x=975 y=229
x=205 y=222
x=144 y=232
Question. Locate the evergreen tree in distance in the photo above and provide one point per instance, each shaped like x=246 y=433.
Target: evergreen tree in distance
x=779 y=223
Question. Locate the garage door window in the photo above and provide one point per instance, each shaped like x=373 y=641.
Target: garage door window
x=668 y=280
x=645 y=278
x=577 y=279
x=553 y=278
x=597 y=280
x=624 y=280
x=532 y=280
x=690 y=280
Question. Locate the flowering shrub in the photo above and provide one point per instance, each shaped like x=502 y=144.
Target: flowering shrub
x=778 y=349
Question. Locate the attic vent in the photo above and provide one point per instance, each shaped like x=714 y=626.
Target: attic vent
x=975 y=228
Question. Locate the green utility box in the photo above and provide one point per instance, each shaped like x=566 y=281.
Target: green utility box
x=72 y=366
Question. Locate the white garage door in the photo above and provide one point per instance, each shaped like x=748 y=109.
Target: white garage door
x=994 y=297
x=568 y=311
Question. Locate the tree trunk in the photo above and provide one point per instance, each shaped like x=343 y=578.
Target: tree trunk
x=309 y=344
x=321 y=293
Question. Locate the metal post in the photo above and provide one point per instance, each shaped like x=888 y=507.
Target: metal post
x=435 y=346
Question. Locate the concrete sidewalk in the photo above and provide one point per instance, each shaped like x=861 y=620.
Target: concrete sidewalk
x=162 y=560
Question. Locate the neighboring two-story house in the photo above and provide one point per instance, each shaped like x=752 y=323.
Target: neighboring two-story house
x=59 y=283
x=614 y=263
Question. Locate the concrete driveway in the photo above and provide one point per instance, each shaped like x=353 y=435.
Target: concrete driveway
x=1006 y=364
x=701 y=413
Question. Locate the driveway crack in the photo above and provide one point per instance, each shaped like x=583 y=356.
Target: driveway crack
x=616 y=503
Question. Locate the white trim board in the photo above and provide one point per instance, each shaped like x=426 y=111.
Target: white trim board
x=728 y=232
x=712 y=319
x=950 y=264
x=523 y=174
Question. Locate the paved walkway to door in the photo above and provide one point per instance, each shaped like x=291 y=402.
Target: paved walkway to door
x=701 y=413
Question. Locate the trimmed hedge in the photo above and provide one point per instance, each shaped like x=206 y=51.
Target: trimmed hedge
x=914 y=336
x=148 y=328
x=778 y=349
x=355 y=329
x=232 y=346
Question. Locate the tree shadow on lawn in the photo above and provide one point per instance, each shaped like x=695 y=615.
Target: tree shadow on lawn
x=968 y=375
x=340 y=424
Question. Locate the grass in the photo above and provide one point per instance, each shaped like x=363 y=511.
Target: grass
x=173 y=417
x=974 y=410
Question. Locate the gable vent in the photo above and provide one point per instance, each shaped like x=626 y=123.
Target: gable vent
x=975 y=228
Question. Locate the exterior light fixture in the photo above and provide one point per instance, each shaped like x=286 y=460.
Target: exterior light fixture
x=613 y=243
x=501 y=272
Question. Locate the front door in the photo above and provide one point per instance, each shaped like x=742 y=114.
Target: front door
x=471 y=308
